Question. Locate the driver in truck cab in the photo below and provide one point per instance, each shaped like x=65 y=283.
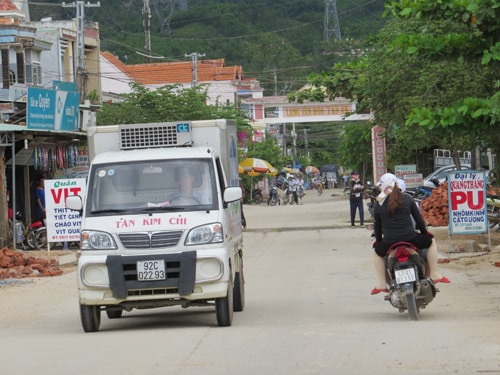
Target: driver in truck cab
x=185 y=177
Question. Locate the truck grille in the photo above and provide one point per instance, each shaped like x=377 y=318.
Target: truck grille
x=150 y=240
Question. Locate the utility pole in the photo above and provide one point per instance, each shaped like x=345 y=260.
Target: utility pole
x=80 y=71
x=305 y=144
x=194 y=70
x=331 y=17
x=147 y=29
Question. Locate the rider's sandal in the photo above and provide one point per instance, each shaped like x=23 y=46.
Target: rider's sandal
x=377 y=291
x=443 y=279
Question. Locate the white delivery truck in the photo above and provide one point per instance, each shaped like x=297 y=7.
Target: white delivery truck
x=161 y=220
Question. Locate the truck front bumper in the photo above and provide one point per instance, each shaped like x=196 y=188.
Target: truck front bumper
x=112 y=279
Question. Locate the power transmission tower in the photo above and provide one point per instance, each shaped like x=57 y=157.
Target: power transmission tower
x=164 y=9
x=194 y=71
x=331 y=23
x=80 y=41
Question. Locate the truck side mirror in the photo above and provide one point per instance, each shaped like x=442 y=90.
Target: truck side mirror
x=232 y=194
x=74 y=202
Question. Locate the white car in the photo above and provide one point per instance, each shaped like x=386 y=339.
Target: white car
x=441 y=174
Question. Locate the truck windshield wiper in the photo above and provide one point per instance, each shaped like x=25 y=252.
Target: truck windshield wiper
x=108 y=210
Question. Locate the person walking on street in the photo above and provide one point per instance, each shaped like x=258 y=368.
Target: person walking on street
x=356 y=198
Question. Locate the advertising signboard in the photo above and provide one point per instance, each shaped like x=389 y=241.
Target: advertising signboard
x=52 y=109
x=378 y=152
x=63 y=225
x=467 y=202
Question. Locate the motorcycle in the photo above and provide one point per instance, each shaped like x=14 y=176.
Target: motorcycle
x=422 y=192
x=273 y=197
x=36 y=235
x=300 y=192
x=410 y=288
x=257 y=196
x=371 y=194
x=288 y=197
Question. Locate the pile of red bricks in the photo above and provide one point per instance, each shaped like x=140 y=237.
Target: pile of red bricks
x=16 y=265
x=435 y=208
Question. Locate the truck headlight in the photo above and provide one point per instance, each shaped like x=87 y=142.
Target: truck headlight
x=96 y=240
x=210 y=233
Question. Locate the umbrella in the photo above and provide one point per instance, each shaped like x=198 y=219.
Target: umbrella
x=254 y=167
x=311 y=170
x=287 y=170
x=258 y=165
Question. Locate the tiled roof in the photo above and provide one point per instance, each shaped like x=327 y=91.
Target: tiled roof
x=177 y=72
x=7 y=5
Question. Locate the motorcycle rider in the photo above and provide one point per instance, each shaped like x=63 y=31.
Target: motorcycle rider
x=393 y=215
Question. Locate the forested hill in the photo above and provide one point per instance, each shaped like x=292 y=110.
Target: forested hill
x=277 y=41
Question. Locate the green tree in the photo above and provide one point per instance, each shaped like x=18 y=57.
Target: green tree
x=430 y=78
x=168 y=103
x=355 y=148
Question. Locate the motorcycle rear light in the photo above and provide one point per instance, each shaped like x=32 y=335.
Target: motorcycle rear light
x=402 y=254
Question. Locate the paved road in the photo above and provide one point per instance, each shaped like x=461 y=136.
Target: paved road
x=308 y=311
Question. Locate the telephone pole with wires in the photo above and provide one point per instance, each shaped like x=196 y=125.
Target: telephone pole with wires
x=80 y=73
x=194 y=70
x=147 y=29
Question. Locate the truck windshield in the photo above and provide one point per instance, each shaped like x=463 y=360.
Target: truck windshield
x=169 y=185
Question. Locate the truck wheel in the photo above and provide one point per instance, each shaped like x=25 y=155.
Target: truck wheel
x=114 y=313
x=224 y=307
x=239 y=289
x=91 y=317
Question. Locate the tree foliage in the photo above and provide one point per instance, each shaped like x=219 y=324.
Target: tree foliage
x=168 y=103
x=430 y=77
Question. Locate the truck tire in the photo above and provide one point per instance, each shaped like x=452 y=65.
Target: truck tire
x=224 y=307
x=91 y=317
x=239 y=288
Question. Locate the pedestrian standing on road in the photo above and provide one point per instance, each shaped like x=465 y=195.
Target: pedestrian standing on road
x=40 y=199
x=356 y=198
x=293 y=184
x=392 y=217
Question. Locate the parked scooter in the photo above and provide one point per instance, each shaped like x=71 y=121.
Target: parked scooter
x=422 y=192
x=273 y=197
x=288 y=197
x=406 y=271
x=34 y=238
x=257 y=196
x=371 y=195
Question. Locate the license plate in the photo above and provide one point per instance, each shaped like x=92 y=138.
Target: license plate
x=405 y=275
x=150 y=270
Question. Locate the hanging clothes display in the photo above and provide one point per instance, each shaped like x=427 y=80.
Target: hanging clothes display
x=51 y=157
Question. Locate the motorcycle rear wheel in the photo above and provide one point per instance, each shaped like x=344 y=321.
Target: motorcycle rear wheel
x=411 y=304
